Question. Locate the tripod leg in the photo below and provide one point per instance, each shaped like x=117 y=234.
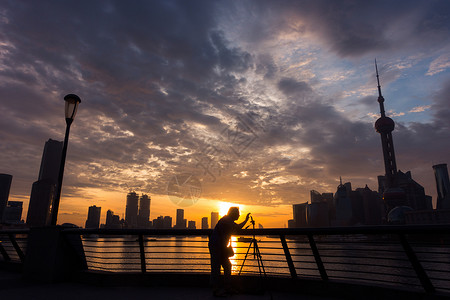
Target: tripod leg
x=259 y=260
x=261 y=266
x=246 y=254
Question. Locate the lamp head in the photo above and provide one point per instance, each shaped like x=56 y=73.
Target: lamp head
x=72 y=102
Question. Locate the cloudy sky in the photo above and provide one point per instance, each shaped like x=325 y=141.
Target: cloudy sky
x=258 y=101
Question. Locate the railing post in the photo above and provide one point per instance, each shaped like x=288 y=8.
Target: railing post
x=4 y=253
x=16 y=246
x=315 y=251
x=142 y=250
x=420 y=271
x=288 y=257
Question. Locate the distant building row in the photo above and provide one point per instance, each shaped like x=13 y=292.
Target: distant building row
x=162 y=222
x=363 y=206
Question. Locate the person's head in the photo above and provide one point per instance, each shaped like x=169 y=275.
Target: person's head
x=233 y=213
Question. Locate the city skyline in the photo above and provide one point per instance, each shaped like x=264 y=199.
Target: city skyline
x=260 y=101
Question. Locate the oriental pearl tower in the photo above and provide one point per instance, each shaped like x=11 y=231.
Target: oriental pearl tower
x=393 y=195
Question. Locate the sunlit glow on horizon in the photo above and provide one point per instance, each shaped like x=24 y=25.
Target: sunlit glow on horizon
x=225 y=206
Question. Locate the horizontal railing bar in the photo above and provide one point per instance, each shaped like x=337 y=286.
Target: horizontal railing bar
x=368 y=257
x=118 y=263
x=440 y=271
x=171 y=252
x=112 y=247
x=179 y=258
x=368 y=265
x=309 y=269
x=434 y=261
x=362 y=250
x=377 y=280
x=177 y=264
x=371 y=273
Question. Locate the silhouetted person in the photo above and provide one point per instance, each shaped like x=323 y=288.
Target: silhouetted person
x=219 y=251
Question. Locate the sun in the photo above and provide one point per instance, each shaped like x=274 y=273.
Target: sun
x=224 y=206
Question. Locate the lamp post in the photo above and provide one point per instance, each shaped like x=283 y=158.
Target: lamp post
x=72 y=102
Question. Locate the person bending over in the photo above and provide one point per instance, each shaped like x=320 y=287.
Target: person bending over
x=220 y=252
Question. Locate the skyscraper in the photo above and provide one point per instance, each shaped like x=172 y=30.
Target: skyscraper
x=180 y=222
x=5 y=185
x=299 y=212
x=191 y=225
x=167 y=222
x=131 y=210
x=214 y=219
x=13 y=212
x=144 y=211
x=93 y=219
x=442 y=186
x=42 y=194
x=205 y=223
x=343 y=206
x=51 y=159
x=43 y=191
x=112 y=220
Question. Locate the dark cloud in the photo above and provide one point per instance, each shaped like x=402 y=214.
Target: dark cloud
x=351 y=28
x=291 y=87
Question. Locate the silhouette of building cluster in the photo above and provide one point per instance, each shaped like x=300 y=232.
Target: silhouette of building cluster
x=137 y=214
x=346 y=207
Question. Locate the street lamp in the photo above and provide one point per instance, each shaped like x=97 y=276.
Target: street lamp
x=72 y=102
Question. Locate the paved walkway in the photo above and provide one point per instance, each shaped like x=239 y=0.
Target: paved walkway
x=12 y=287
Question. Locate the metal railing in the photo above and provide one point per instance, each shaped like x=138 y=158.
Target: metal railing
x=416 y=258
x=13 y=243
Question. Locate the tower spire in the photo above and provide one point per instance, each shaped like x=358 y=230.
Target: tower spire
x=380 y=96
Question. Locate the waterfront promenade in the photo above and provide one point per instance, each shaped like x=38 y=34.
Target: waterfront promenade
x=327 y=263
x=13 y=286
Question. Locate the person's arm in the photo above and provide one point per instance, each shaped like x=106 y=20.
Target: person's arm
x=241 y=225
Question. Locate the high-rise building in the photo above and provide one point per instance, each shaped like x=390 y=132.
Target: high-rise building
x=158 y=223
x=93 y=219
x=162 y=222
x=42 y=194
x=44 y=189
x=167 y=222
x=191 y=225
x=131 y=210
x=112 y=220
x=343 y=206
x=144 y=211
x=214 y=219
x=180 y=222
x=442 y=186
x=51 y=159
x=317 y=212
x=371 y=206
x=299 y=212
x=13 y=212
x=5 y=185
x=205 y=223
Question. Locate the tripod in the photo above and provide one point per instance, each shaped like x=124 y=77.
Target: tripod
x=256 y=255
